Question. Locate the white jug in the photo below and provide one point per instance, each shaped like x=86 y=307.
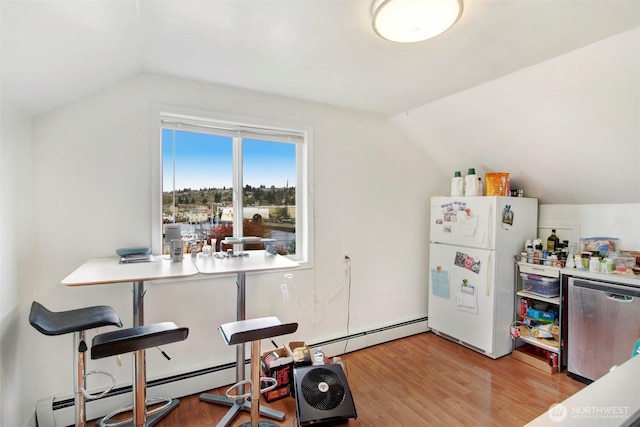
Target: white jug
x=457 y=185
x=471 y=187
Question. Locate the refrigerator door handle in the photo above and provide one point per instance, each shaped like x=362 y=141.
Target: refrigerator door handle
x=488 y=283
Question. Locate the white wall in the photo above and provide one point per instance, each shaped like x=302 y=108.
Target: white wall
x=621 y=221
x=16 y=288
x=91 y=163
x=566 y=129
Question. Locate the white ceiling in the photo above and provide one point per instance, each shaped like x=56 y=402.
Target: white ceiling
x=54 y=51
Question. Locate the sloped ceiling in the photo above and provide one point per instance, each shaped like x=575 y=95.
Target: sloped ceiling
x=567 y=129
x=319 y=50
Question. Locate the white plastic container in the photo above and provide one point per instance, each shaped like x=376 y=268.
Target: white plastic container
x=457 y=185
x=471 y=183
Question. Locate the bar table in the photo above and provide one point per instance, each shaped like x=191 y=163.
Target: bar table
x=241 y=263
x=101 y=271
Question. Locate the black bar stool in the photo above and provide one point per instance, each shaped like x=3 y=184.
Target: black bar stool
x=77 y=321
x=136 y=340
x=254 y=330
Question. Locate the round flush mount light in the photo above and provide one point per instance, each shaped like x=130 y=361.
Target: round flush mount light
x=408 y=21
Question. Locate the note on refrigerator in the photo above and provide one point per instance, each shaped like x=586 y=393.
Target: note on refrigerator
x=440 y=282
x=467 y=297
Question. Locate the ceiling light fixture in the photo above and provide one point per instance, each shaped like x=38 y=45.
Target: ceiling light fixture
x=408 y=21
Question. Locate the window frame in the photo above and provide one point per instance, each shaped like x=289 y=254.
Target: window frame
x=304 y=185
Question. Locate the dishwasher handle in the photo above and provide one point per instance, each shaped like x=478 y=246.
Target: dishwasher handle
x=614 y=291
x=619 y=298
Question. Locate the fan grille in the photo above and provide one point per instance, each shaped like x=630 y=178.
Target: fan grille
x=323 y=389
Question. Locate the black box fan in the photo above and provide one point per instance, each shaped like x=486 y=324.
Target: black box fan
x=323 y=396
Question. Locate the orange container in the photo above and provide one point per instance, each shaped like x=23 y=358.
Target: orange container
x=496 y=183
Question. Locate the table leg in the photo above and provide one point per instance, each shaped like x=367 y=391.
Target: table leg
x=139 y=365
x=240 y=315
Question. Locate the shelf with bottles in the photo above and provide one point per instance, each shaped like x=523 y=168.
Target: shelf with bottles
x=538 y=310
x=528 y=266
x=541 y=261
x=552 y=252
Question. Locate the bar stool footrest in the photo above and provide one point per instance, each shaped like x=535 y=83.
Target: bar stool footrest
x=89 y=396
x=169 y=404
x=271 y=380
x=261 y=423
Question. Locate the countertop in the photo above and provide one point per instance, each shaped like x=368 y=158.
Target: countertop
x=551 y=271
x=612 y=400
x=627 y=279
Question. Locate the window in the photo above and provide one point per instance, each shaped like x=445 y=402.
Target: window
x=218 y=178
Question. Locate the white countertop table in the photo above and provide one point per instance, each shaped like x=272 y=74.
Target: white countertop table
x=101 y=271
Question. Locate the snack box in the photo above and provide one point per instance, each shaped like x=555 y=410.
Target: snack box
x=278 y=364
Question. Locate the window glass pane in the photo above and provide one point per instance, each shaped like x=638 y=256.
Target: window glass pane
x=197 y=173
x=269 y=192
x=220 y=179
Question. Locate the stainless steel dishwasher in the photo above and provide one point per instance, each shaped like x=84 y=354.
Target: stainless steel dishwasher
x=603 y=326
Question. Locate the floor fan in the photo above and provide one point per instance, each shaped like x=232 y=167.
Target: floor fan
x=323 y=396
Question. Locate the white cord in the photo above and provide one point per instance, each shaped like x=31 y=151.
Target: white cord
x=102 y=394
x=331 y=296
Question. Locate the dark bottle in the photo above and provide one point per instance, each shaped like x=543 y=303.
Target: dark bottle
x=552 y=242
x=537 y=255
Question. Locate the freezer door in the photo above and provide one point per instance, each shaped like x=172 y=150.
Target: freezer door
x=465 y=313
x=463 y=221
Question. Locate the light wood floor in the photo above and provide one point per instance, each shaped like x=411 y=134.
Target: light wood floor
x=423 y=380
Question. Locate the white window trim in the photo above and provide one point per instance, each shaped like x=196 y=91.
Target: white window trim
x=304 y=199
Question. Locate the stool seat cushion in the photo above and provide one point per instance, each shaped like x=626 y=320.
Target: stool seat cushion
x=243 y=331
x=64 y=322
x=136 y=338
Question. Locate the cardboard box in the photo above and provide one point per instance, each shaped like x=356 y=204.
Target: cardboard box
x=529 y=355
x=301 y=353
x=278 y=364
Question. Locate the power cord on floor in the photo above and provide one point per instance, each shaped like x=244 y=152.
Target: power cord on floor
x=347 y=273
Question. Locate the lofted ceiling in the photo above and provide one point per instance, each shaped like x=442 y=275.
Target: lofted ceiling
x=55 y=51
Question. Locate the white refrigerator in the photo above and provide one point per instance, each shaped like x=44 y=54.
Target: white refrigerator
x=473 y=241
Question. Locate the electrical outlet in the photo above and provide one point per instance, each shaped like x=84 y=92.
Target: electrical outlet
x=285 y=292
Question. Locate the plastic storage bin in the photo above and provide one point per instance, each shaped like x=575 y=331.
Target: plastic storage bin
x=539 y=285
